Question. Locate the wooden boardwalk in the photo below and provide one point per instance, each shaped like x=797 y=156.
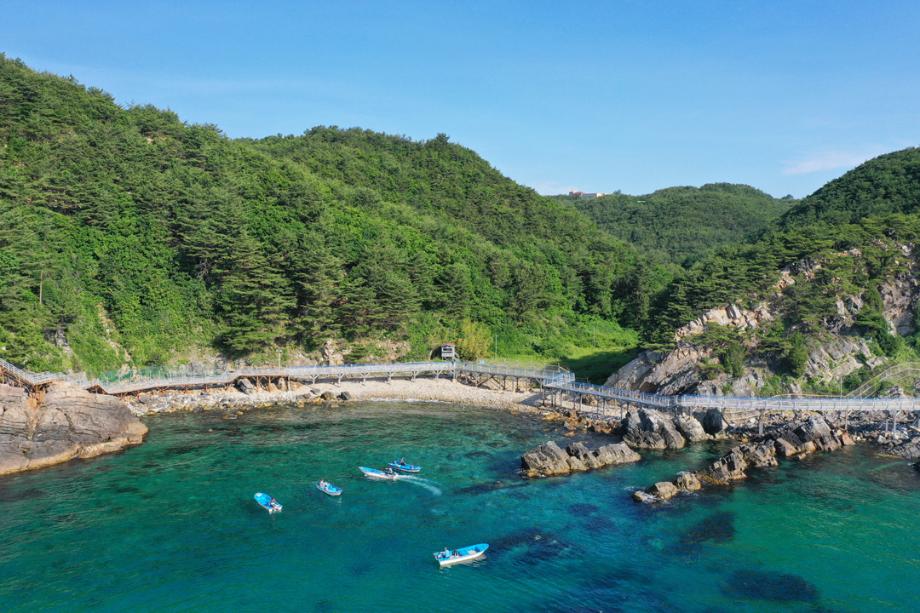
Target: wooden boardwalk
x=556 y=382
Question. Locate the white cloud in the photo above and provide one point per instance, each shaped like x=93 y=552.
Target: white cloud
x=831 y=160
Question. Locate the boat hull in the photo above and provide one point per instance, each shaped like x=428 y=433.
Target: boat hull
x=329 y=490
x=373 y=473
x=465 y=554
x=265 y=501
x=405 y=468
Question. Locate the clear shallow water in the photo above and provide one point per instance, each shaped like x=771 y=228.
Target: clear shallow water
x=172 y=524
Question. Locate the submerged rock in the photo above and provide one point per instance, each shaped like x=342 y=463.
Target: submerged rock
x=67 y=423
x=550 y=459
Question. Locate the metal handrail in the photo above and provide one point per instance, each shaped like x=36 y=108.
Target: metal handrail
x=550 y=378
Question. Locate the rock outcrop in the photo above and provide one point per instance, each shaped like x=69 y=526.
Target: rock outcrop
x=812 y=435
x=909 y=450
x=650 y=429
x=550 y=459
x=64 y=423
x=691 y=428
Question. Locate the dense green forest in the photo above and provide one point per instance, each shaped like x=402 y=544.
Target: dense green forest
x=838 y=247
x=131 y=238
x=679 y=224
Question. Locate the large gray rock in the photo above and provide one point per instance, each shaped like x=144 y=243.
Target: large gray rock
x=687 y=482
x=691 y=428
x=67 y=423
x=550 y=459
x=713 y=422
x=545 y=461
x=245 y=386
x=909 y=450
x=816 y=431
x=650 y=429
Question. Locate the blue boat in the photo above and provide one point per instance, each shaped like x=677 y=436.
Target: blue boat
x=373 y=473
x=449 y=557
x=403 y=466
x=268 y=503
x=327 y=488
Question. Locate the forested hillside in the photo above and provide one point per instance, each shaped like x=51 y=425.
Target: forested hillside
x=129 y=237
x=679 y=224
x=819 y=302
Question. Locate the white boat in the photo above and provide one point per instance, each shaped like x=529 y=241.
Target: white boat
x=373 y=473
x=449 y=557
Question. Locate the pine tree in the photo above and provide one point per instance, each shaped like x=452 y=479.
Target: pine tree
x=254 y=297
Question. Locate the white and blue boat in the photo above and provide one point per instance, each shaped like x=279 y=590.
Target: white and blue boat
x=268 y=503
x=449 y=557
x=373 y=473
x=403 y=466
x=329 y=489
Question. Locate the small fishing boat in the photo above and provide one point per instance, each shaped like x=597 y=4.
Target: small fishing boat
x=268 y=503
x=373 y=473
x=449 y=557
x=327 y=488
x=403 y=466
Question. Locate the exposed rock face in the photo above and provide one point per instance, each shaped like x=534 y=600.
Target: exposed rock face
x=636 y=371
x=345 y=396
x=687 y=482
x=331 y=354
x=550 y=459
x=713 y=422
x=245 y=386
x=676 y=372
x=692 y=429
x=67 y=423
x=812 y=435
x=730 y=315
x=909 y=450
x=650 y=429
x=898 y=298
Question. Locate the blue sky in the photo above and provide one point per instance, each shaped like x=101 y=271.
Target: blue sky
x=602 y=96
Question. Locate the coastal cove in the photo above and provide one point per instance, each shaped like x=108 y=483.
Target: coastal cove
x=833 y=531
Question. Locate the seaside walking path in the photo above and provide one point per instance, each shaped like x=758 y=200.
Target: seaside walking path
x=555 y=384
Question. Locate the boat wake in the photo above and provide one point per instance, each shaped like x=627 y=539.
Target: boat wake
x=419 y=481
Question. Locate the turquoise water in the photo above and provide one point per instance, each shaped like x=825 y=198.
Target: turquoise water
x=172 y=524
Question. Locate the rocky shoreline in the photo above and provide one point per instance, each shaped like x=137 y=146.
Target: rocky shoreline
x=782 y=439
x=61 y=423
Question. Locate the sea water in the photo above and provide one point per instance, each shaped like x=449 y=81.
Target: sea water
x=172 y=525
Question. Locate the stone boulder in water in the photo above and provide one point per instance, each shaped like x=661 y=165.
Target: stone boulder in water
x=550 y=459
x=66 y=423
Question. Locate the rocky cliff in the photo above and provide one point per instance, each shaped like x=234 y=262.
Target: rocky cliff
x=834 y=320
x=60 y=424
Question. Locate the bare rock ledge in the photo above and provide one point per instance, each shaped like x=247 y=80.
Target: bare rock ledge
x=63 y=423
x=550 y=459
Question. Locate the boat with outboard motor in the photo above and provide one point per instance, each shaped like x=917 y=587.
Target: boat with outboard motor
x=382 y=475
x=403 y=466
x=327 y=488
x=268 y=503
x=449 y=557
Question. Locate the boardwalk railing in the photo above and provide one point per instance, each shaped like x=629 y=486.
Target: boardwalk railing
x=552 y=379
x=737 y=403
